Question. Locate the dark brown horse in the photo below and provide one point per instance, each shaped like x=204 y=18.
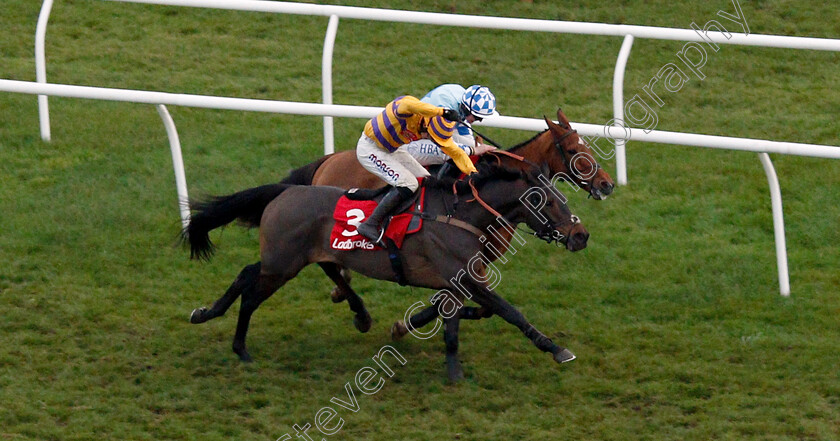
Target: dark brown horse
x=566 y=155
x=295 y=232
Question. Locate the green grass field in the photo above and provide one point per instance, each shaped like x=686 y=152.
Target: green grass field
x=673 y=310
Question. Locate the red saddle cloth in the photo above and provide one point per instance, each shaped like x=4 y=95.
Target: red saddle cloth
x=349 y=213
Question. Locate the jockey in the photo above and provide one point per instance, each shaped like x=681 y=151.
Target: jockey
x=379 y=151
x=473 y=104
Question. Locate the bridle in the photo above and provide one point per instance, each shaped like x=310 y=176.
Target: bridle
x=558 y=144
x=548 y=233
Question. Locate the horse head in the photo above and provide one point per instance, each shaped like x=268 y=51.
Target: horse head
x=532 y=198
x=548 y=213
x=574 y=159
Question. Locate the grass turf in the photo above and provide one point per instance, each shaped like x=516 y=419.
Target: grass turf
x=673 y=310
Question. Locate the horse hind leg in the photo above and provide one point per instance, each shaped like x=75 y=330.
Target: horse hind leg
x=362 y=320
x=247 y=277
x=400 y=328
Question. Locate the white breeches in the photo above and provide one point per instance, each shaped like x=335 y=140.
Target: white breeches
x=396 y=168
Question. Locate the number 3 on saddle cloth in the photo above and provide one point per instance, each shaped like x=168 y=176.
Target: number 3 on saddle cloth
x=349 y=213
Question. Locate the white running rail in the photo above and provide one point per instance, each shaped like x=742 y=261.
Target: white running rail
x=160 y=99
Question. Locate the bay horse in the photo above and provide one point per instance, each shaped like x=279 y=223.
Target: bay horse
x=560 y=148
x=295 y=228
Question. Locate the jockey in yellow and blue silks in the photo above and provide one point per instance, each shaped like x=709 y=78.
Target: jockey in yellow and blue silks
x=379 y=151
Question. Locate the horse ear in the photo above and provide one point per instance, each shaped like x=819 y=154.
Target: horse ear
x=561 y=117
x=556 y=129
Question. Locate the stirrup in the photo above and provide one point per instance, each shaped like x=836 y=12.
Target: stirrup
x=377 y=240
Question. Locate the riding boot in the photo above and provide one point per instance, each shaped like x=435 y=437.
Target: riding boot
x=370 y=228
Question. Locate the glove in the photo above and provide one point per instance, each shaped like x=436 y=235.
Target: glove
x=451 y=115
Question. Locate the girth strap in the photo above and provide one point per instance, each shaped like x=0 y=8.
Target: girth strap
x=395 y=258
x=394 y=255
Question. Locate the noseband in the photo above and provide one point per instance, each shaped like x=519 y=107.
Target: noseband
x=550 y=233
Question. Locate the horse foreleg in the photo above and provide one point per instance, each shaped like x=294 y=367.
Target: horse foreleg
x=252 y=297
x=248 y=276
x=362 y=320
x=488 y=298
x=450 y=338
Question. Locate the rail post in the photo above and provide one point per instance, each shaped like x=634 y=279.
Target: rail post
x=326 y=81
x=618 y=108
x=41 y=67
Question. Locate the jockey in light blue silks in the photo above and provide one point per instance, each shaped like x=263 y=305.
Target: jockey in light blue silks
x=473 y=104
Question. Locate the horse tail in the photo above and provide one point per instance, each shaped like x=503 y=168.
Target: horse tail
x=247 y=206
x=304 y=175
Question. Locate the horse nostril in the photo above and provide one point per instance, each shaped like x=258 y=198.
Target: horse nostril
x=608 y=188
x=581 y=237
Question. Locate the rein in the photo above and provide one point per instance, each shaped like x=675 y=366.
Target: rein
x=449 y=220
x=549 y=235
x=510 y=155
x=481 y=201
x=489 y=141
x=476 y=197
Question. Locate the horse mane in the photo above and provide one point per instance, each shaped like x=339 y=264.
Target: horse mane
x=487 y=172
x=304 y=175
x=517 y=146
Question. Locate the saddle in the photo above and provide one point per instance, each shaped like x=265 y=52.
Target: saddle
x=365 y=194
x=356 y=205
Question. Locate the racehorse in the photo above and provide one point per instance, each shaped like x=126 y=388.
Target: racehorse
x=295 y=230
x=559 y=147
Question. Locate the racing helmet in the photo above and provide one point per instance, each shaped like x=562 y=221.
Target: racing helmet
x=479 y=101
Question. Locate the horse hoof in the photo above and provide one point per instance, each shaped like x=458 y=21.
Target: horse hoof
x=197 y=315
x=454 y=371
x=563 y=356
x=243 y=354
x=398 y=330
x=363 y=323
x=337 y=295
